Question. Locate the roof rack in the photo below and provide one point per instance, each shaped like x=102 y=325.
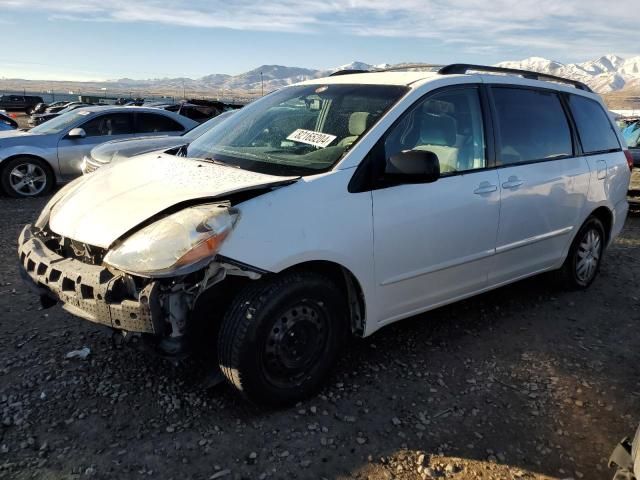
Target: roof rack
x=396 y=68
x=462 y=68
x=337 y=73
x=409 y=65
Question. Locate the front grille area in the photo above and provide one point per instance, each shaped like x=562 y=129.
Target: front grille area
x=90 y=165
x=86 y=290
x=68 y=248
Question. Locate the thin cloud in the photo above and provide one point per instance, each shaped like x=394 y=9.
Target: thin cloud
x=567 y=29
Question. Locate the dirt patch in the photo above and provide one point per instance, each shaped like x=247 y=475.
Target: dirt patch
x=522 y=382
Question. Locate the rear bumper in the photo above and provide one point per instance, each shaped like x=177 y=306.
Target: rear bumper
x=92 y=292
x=621 y=210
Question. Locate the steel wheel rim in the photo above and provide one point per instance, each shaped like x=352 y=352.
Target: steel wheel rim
x=588 y=255
x=295 y=343
x=28 y=179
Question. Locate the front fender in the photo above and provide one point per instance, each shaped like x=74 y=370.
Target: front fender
x=314 y=219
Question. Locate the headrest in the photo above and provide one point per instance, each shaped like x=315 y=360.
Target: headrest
x=438 y=130
x=358 y=123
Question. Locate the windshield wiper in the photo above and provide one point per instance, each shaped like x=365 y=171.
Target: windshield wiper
x=218 y=162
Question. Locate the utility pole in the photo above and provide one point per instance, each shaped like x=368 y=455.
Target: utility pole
x=262 y=85
x=183 y=92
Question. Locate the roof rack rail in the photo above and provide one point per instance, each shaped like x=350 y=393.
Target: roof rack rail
x=337 y=73
x=406 y=66
x=461 y=68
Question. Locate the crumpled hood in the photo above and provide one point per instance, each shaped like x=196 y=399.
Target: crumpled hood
x=105 y=152
x=118 y=197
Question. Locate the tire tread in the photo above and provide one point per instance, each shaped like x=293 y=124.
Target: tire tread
x=236 y=322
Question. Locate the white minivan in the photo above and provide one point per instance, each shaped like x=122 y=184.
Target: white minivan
x=332 y=208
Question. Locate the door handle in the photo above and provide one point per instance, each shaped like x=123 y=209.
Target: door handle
x=512 y=182
x=485 y=187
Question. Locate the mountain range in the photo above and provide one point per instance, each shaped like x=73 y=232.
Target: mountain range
x=273 y=76
x=606 y=74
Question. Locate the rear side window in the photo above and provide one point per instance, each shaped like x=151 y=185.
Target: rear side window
x=152 y=122
x=532 y=125
x=594 y=127
x=109 y=124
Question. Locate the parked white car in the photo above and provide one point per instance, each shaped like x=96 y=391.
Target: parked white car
x=31 y=162
x=335 y=207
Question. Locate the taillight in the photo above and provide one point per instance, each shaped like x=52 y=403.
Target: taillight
x=627 y=154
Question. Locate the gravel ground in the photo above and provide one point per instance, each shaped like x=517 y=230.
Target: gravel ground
x=523 y=382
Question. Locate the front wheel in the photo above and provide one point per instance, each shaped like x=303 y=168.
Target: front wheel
x=281 y=336
x=26 y=177
x=585 y=255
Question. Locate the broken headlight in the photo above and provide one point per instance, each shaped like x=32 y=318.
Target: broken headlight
x=177 y=244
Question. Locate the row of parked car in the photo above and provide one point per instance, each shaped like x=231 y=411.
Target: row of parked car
x=58 y=147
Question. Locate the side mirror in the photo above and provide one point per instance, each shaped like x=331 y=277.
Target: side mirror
x=77 y=133
x=413 y=166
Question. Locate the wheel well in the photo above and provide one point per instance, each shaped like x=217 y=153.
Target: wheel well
x=348 y=283
x=46 y=166
x=606 y=217
x=28 y=155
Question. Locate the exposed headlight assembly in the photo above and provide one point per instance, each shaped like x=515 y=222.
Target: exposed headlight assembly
x=177 y=244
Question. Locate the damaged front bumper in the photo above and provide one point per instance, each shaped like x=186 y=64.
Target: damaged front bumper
x=93 y=292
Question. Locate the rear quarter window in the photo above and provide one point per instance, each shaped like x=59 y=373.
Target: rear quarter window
x=594 y=127
x=154 y=122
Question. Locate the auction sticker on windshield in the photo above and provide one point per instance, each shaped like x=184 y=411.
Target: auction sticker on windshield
x=317 y=139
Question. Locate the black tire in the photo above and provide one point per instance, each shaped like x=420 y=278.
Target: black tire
x=578 y=276
x=281 y=336
x=29 y=110
x=40 y=175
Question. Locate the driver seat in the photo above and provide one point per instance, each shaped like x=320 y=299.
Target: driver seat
x=357 y=126
x=438 y=134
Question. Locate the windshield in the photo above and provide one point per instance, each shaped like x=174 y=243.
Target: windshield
x=61 y=122
x=208 y=125
x=300 y=130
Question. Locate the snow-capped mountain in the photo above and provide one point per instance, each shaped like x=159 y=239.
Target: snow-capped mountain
x=360 y=66
x=605 y=74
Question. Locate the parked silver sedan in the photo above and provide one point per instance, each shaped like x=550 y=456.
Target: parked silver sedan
x=32 y=162
x=116 y=150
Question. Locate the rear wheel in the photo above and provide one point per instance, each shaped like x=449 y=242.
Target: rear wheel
x=26 y=177
x=585 y=255
x=281 y=336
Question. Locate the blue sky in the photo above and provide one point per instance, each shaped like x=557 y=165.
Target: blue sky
x=107 y=39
